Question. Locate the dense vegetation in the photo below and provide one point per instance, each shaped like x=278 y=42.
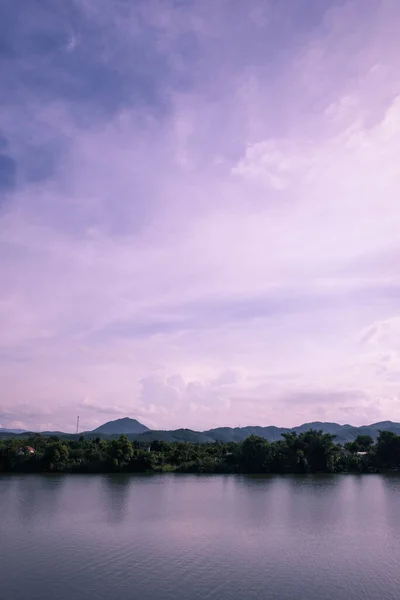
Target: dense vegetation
x=308 y=452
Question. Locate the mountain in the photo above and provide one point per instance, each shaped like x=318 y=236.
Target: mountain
x=326 y=427
x=137 y=431
x=121 y=426
x=238 y=434
x=343 y=433
x=177 y=435
x=3 y=430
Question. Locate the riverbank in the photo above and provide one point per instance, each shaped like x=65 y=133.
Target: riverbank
x=308 y=452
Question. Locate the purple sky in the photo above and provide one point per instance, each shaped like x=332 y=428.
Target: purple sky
x=199 y=212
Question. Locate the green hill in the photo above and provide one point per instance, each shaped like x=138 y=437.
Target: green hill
x=137 y=431
x=125 y=425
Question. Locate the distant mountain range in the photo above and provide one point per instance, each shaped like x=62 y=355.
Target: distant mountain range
x=3 y=430
x=137 y=431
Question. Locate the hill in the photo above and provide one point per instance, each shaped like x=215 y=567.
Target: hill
x=343 y=433
x=120 y=426
x=177 y=435
x=137 y=431
x=238 y=434
x=3 y=430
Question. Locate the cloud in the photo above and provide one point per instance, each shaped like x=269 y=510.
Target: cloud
x=383 y=334
x=7 y=172
x=196 y=228
x=173 y=396
x=88 y=404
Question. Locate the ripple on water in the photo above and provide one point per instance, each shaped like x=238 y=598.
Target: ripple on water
x=199 y=537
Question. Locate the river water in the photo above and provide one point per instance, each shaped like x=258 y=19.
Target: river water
x=198 y=537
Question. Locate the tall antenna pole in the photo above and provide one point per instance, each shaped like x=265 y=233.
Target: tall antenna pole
x=77 y=425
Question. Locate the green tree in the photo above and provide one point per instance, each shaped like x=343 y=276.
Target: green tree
x=319 y=450
x=388 y=450
x=56 y=456
x=362 y=443
x=256 y=455
x=291 y=456
x=121 y=452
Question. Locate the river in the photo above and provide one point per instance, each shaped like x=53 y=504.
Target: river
x=199 y=537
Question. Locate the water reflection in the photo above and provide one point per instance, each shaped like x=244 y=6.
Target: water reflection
x=38 y=501
x=115 y=493
x=254 y=502
x=390 y=485
x=179 y=537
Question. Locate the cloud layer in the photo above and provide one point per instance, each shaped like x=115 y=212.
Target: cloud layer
x=199 y=214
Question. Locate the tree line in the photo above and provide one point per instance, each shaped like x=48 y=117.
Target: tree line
x=308 y=452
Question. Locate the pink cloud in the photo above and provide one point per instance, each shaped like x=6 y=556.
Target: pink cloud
x=208 y=225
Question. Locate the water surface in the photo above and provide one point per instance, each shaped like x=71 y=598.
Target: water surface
x=189 y=537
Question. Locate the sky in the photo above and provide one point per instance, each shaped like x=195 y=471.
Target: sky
x=199 y=212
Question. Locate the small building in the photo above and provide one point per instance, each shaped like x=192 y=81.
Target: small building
x=26 y=450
